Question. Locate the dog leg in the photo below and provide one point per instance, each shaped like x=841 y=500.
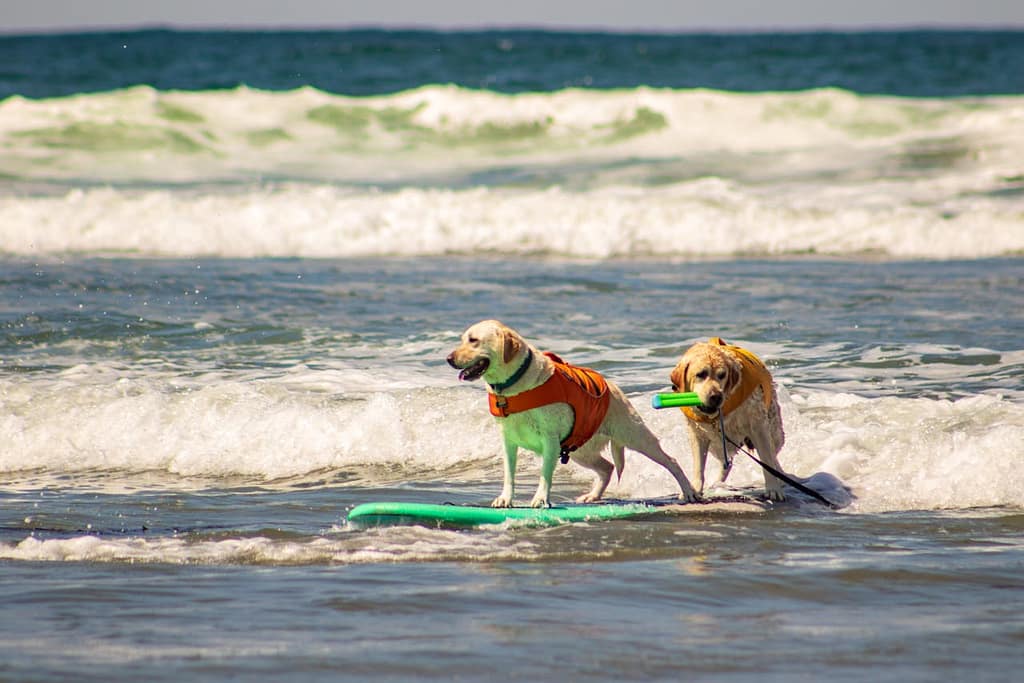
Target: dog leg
x=699 y=447
x=762 y=444
x=552 y=451
x=601 y=468
x=648 y=445
x=720 y=479
x=724 y=469
x=508 y=487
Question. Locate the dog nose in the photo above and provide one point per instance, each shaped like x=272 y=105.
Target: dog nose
x=713 y=401
x=451 y=359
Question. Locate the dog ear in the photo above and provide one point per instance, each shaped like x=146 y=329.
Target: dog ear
x=679 y=378
x=511 y=346
x=735 y=375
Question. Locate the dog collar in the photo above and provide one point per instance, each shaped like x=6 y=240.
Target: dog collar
x=516 y=376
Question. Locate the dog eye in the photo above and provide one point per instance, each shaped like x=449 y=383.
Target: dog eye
x=473 y=340
x=721 y=374
x=703 y=374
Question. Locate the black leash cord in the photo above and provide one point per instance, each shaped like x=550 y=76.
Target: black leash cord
x=771 y=470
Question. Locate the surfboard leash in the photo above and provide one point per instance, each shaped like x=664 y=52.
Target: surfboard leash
x=771 y=470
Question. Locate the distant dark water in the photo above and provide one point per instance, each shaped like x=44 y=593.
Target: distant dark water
x=370 y=62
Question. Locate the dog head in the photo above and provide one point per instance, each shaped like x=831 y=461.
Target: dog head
x=709 y=371
x=487 y=345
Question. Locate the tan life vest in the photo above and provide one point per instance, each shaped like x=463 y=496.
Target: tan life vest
x=753 y=375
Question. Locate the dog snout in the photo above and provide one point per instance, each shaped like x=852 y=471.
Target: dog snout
x=713 y=400
x=451 y=360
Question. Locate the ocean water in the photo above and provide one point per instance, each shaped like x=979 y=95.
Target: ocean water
x=232 y=265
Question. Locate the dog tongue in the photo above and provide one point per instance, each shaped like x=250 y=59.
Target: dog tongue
x=474 y=371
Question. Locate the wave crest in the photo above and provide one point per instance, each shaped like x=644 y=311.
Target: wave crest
x=704 y=218
x=575 y=173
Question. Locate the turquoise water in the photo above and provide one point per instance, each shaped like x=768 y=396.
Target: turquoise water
x=945 y=63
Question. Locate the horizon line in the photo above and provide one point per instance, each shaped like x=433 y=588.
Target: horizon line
x=138 y=27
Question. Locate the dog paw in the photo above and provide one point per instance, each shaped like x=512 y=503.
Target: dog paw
x=689 y=497
x=775 y=495
x=588 y=498
x=501 y=502
x=539 y=502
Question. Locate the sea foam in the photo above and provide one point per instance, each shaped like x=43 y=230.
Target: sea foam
x=243 y=129
x=892 y=453
x=576 y=173
x=701 y=218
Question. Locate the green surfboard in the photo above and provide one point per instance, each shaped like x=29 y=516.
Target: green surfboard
x=405 y=514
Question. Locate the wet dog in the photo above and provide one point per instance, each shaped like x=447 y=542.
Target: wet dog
x=735 y=385
x=556 y=410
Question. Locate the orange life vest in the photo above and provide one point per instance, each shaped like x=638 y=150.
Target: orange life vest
x=584 y=389
x=753 y=375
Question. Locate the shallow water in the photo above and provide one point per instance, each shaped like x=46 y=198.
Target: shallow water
x=184 y=438
x=785 y=594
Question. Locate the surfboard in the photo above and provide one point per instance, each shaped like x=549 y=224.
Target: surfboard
x=449 y=515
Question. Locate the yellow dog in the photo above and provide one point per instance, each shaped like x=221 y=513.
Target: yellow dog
x=555 y=410
x=735 y=389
